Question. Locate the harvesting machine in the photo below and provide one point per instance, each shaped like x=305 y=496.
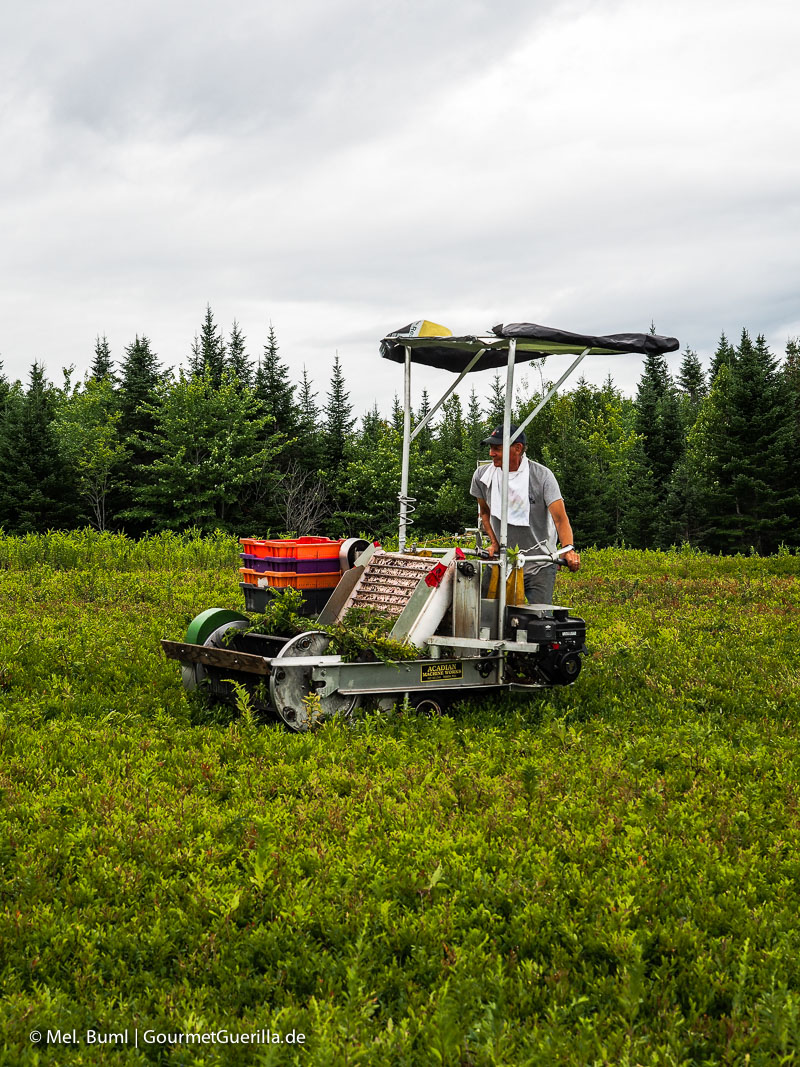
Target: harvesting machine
x=436 y=600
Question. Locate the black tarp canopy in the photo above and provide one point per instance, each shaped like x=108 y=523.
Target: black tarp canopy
x=533 y=342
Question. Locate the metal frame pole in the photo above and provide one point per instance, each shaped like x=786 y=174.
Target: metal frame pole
x=501 y=592
x=401 y=533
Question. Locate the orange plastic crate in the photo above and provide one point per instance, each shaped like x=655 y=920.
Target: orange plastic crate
x=249 y=577
x=328 y=550
x=305 y=548
x=316 y=581
x=255 y=548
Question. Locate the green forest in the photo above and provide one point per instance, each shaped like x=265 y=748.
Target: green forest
x=709 y=458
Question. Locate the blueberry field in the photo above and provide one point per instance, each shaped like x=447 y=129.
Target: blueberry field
x=608 y=873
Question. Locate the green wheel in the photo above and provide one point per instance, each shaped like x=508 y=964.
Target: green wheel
x=207 y=628
x=203 y=625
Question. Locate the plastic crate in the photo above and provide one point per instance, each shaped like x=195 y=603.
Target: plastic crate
x=249 y=576
x=278 y=579
x=266 y=563
x=318 y=566
x=252 y=547
x=316 y=581
x=256 y=599
x=305 y=548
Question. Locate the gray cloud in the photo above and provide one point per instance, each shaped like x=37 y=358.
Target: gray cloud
x=343 y=168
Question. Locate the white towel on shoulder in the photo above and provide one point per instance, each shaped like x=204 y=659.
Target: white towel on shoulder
x=519 y=502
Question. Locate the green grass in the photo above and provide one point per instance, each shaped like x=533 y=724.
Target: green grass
x=607 y=873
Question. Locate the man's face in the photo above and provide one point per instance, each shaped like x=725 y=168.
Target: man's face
x=496 y=455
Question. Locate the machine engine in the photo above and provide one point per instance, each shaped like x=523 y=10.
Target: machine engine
x=561 y=639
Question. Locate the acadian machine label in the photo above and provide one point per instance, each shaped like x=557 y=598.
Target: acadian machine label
x=440 y=672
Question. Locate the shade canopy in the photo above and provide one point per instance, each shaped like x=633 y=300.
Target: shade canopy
x=533 y=342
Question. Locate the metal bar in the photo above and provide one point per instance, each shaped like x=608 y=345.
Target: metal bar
x=501 y=592
x=441 y=401
x=507 y=645
x=554 y=389
x=401 y=533
x=224 y=658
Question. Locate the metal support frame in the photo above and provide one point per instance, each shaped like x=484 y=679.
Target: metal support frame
x=501 y=592
x=404 y=498
x=407 y=502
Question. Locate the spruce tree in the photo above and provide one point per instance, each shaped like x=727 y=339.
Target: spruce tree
x=424 y=438
x=5 y=388
x=790 y=374
x=238 y=361
x=692 y=379
x=496 y=405
x=371 y=423
x=102 y=365
x=140 y=374
x=338 y=421
x=208 y=351
x=659 y=424
x=723 y=356
x=274 y=391
x=310 y=447
x=36 y=490
x=140 y=377
x=748 y=449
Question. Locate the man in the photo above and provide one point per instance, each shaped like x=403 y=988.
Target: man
x=537 y=518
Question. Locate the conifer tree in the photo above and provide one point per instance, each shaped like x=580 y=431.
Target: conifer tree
x=790 y=374
x=640 y=520
x=424 y=438
x=370 y=425
x=140 y=377
x=102 y=364
x=140 y=374
x=397 y=415
x=338 y=421
x=310 y=449
x=723 y=356
x=36 y=490
x=747 y=445
x=238 y=361
x=496 y=403
x=211 y=451
x=274 y=391
x=5 y=388
x=208 y=351
x=659 y=425
x=791 y=378
x=692 y=379
x=474 y=423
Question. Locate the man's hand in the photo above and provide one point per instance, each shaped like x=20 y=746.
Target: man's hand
x=493 y=549
x=572 y=560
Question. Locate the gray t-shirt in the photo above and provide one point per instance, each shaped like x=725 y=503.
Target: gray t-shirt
x=540 y=534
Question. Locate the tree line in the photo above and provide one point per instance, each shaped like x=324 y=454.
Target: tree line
x=708 y=457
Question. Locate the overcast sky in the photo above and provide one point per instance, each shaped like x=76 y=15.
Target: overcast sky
x=341 y=168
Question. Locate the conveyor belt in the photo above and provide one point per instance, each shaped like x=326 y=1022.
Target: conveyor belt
x=388 y=582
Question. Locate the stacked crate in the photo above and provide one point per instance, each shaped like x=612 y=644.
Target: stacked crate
x=310 y=564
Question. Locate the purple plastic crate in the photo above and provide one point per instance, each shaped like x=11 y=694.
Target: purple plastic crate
x=267 y=563
x=317 y=566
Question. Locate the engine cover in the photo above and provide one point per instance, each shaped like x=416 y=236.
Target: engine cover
x=560 y=636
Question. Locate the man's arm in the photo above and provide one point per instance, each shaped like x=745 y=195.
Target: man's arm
x=564 y=529
x=486 y=523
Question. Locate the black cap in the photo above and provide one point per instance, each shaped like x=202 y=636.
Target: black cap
x=496 y=437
